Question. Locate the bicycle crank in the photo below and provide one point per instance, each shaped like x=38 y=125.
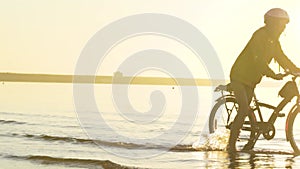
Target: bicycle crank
x=267 y=129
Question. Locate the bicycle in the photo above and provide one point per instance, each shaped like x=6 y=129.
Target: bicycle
x=254 y=126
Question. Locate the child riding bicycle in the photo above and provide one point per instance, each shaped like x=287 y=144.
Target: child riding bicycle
x=253 y=63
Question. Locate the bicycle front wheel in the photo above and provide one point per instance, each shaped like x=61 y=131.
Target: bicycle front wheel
x=293 y=128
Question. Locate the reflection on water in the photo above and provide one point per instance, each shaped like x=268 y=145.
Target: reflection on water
x=260 y=160
x=221 y=159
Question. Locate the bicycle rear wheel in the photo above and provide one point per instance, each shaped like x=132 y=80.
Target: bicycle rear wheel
x=293 y=129
x=222 y=116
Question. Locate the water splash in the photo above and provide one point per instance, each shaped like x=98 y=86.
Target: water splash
x=215 y=141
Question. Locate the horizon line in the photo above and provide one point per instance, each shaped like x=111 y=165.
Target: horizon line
x=118 y=78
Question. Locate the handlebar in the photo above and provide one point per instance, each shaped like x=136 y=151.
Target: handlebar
x=294 y=74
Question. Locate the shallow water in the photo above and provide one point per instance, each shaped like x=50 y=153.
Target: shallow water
x=59 y=142
x=42 y=130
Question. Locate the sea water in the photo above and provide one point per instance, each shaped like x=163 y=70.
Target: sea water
x=40 y=128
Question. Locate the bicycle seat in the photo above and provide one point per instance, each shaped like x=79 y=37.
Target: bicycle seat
x=226 y=87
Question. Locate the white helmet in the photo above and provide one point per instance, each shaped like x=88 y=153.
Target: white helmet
x=276 y=13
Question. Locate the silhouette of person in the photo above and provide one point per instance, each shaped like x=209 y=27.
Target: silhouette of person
x=253 y=63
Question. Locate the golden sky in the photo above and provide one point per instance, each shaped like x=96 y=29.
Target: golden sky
x=47 y=36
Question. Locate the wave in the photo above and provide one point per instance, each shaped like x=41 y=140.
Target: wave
x=11 y=122
x=126 y=145
x=184 y=148
x=83 y=141
x=177 y=148
x=264 y=151
x=71 y=162
x=25 y=114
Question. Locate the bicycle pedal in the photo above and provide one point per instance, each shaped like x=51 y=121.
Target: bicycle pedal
x=281 y=115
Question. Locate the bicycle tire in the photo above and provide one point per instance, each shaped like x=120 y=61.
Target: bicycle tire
x=225 y=117
x=293 y=131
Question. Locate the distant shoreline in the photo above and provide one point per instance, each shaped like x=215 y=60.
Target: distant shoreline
x=117 y=79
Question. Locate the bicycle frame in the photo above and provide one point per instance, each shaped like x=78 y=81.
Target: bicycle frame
x=276 y=112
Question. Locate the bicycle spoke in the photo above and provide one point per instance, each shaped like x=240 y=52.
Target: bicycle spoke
x=222 y=115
